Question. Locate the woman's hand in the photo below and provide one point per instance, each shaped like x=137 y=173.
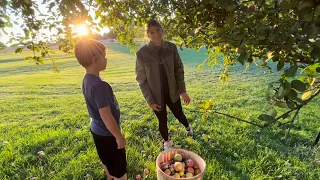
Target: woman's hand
x=185 y=98
x=155 y=107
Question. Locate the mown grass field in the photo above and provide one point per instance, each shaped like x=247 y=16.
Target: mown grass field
x=41 y=110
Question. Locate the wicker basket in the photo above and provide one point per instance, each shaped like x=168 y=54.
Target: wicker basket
x=166 y=156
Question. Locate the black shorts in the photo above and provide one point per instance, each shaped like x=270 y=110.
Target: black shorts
x=112 y=157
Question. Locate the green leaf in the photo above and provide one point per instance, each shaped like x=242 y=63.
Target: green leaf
x=291 y=71
x=306 y=95
x=293 y=94
x=280 y=65
x=284 y=90
x=43 y=54
x=204 y=117
x=217 y=50
x=208 y=105
x=266 y=117
x=28 y=58
x=18 y=50
x=291 y=105
x=272 y=112
x=243 y=57
x=194 y=41
x=281 y=104
x=298 y=85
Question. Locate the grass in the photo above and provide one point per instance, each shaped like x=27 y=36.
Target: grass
x=45 y=111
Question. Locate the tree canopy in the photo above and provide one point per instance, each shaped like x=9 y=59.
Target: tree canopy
x=285 y=32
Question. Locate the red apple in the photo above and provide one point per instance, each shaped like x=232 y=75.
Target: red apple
x=183 y=156
x=178 y=166
x=190 y=163
x=252 y=9
x=189 y=175
x=168 y=172
x=138 y=177
x=146 y=171
x=164 y=165
x=178 y=158
x=190 y=170
x=197 y=171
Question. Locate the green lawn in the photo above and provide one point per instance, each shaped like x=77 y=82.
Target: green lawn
x=41 y=110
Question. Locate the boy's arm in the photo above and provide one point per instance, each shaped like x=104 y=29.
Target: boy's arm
x=103 y=101
x=141 y=78
x=112 y=125
x=179 y=71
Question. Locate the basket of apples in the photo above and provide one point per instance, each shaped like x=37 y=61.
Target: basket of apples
x=180 y=164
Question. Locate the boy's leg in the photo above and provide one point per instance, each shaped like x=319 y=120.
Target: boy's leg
x=107 y=172
x=163 y=123
x=176 y=109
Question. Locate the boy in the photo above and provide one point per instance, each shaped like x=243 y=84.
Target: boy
x=103 y=109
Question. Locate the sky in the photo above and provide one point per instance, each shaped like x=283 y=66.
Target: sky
x=16 y=29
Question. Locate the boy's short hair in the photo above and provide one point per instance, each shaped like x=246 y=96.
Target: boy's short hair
x=86 y=49
x=153 y=22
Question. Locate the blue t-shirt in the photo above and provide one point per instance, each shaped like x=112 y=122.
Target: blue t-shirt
x=99 y=94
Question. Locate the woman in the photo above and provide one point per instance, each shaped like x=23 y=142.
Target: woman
x=160 y=74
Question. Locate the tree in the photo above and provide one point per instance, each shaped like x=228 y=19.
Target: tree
x=285 y=32
x=3 y=47
x=109 y=35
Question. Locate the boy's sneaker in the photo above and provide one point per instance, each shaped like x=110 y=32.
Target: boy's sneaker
x=189 y=131
x=167 y=145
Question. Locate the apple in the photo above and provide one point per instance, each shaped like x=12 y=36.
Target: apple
x=230 y=19
x=317 y=11
x=220 y=30
x=189 y=163
x=164 y=165
x=177 y=158
x=178 y=166
x=89 y=176
x=138 y=177
x=176 y=175
x=252 y=9
x=285 y=4
x=230 y=8
x=189 y=175
x=197 y=171
x=190 y=170
x=305 y=4
x=146 y=171
x=168 y=172
x=171 y=168
x=183 y=165
x=183 y=156
x=181 y=173
x=41 y=153
x=196 y=166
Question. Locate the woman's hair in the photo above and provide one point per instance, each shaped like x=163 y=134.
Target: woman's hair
x=153 y=22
